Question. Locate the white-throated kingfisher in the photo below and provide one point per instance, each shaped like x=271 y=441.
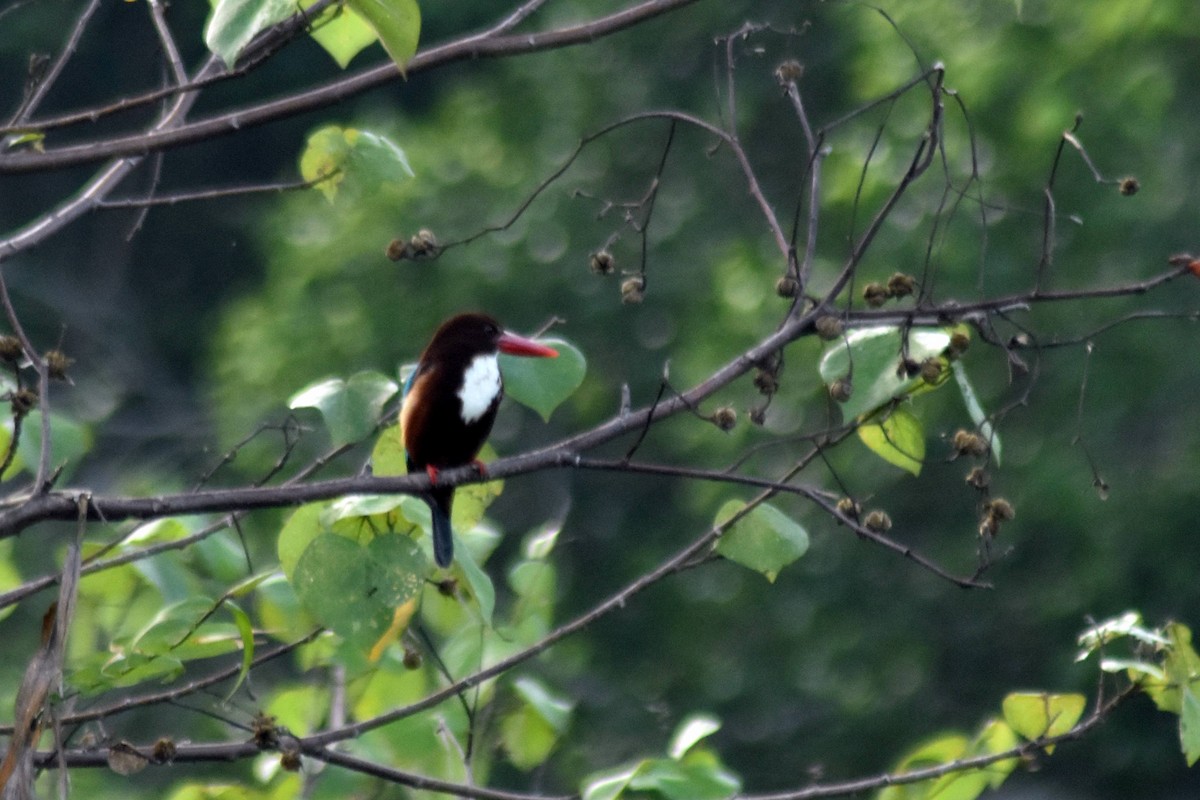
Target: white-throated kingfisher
x=450 y=403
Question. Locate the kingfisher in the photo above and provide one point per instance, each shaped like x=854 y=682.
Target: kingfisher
x=450 y=403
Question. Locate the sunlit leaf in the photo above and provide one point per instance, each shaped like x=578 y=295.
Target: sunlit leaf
x=544 y=383
x=765 y=540
x=898 y=438
x=530 y=731
x=397 y=23
x=997 y=737
x=342 y=33
x=699 y=776
x=1038 y=715
x=692 y=729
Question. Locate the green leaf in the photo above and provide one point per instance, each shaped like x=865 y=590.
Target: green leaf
x=933 y=753
x=396 y=22
x=69 y=443
x=982 y=423
x=478 y=582
x=526 y=737
x=1181 y=667
x=1189 y=726
x=351 y=408
x=1037 y=715
x=765 y=540
x=343 y=33
x=9 y=574
x=298 y=532
x=997 y=737
x=692 y=729
x=544 y=383
x=235 y=22
x=875 y=354
x=246 y=631
x=552 y=708
x=609 y=784
x=898 y=438
x=354 y=590
x=700 y=776
x=388 y=455
x=530 y=731
x=334 y=155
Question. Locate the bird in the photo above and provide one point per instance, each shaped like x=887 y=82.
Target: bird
x=450 y=402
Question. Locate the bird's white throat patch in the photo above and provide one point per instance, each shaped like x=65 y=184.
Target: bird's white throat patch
x=480 y=386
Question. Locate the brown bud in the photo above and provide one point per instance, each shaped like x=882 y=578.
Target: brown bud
x=412 y=658
x=633 y=290
x=10 y=349
x=766 y=381
x=397 y=250
x=978 y=478
x=1129 y=186
x=829 y=327
x=266 y=737
x=164 y=751
x=959 y=342
x=1000 y=509
x=901 y=285
x=789 y=71
x=758 y=416
x=932 y=370
x=290 y=760
x=876 y=294
x=725 y=418
x=23 y=401
x=602 y=262
x=877 y=521
x=57 y=363
x=787 y=286
x=969 y=443
x=841 y=389
x=448 y=587
x=849 y=507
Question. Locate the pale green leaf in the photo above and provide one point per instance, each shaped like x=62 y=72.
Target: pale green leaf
x=875 y=354
x=692 y=729
x=765 y=540
x=246 y=631
x=235 y=22
x=544 y=383
x=342 y=33
x=1189 y=726
x=350 y=408
x=898 y=438
x=397 y=23
x=1038 y=715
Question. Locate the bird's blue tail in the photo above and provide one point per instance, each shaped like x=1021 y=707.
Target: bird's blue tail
x=443 y=536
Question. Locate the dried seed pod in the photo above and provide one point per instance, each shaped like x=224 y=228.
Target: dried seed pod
x=829 y=327
x=876 y=294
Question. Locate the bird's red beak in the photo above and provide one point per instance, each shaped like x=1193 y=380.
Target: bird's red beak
x=520 y=346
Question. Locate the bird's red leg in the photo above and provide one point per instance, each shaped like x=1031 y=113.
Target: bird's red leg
x=480 y=467
x=432 y=472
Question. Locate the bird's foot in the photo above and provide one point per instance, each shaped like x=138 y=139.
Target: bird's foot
x=432 y=472
x=480 y=467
